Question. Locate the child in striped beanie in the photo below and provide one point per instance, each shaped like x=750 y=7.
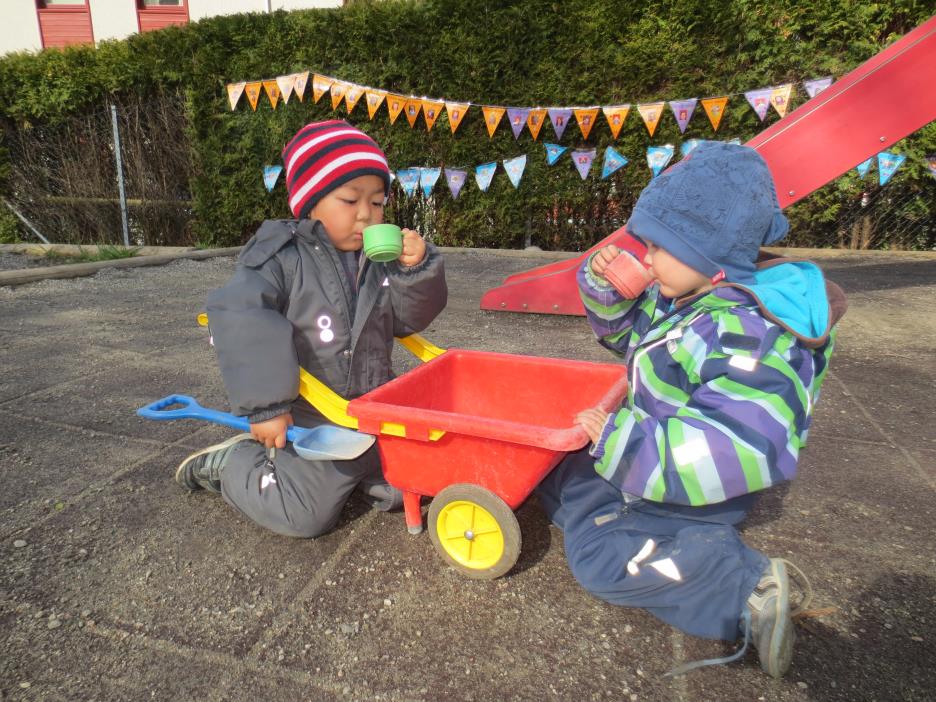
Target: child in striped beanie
x=303 y=296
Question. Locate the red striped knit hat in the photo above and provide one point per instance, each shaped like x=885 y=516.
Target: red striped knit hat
x=325 y=155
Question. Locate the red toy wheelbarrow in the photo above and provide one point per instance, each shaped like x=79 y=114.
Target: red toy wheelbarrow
x=479 y=432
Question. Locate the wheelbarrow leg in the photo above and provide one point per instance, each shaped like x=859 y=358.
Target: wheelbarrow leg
x=412 y=512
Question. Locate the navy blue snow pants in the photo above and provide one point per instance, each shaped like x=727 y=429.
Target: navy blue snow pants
x=685 y=565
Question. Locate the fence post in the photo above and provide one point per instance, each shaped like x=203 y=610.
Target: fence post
x=120 y=178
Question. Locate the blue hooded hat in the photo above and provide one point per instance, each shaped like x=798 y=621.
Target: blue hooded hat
x=713 y=211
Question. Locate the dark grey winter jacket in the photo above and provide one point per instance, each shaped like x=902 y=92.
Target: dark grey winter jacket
x=289 y=304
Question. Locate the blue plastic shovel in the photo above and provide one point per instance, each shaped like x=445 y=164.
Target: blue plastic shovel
x=324 y=442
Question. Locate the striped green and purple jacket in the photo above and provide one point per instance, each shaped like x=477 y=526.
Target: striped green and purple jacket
x=721 y=390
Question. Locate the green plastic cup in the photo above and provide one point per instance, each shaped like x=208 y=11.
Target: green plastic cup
x=383 y=242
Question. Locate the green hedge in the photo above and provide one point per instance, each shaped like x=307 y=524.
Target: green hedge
x=523 y=52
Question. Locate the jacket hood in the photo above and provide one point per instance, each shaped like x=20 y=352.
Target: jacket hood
x=796 y=295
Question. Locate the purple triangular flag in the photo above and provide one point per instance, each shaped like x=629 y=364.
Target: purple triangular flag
x=583 y=161
x=817 y=85
x=682 y=111
x=559 y=116
x=759 y=101
x=931 y=164
x=518 y=117
x=455 y=179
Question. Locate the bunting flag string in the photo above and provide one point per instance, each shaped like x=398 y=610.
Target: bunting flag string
x=282 y=88
x=424 y=179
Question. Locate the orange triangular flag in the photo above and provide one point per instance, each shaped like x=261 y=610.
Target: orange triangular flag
x=535 y=120
x=585 y=116
x=413 y=106
x=299 y=86
x=431 y=110
x=715 y=109
x=235 y=90
x=253 y=93
x=272 y=91
x=286 y=85
x=651 y=113
x=616 y=116
x=395 y=105
x=374 y=98
x=492 y=117
x=338 y=90
x=354 y=93
x=456 y=113
x=320 y=86
x=780 y=98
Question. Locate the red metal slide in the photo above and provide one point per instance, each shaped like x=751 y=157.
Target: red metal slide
x=860 y=115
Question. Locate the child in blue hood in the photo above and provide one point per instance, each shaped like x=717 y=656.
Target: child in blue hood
x=726 y=355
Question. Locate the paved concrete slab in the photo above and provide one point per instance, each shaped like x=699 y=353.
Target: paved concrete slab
x=128 y=587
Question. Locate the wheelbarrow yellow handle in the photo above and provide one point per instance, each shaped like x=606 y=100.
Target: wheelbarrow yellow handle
x=335 y=408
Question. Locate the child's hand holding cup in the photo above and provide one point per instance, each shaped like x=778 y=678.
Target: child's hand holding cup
x=387 y=242
x=622 y=270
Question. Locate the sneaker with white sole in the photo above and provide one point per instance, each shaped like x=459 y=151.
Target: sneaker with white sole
x=202 y=470
x=772 y=630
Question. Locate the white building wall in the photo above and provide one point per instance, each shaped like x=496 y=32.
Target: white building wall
x=20 y=26
x=113 y=19
x=116 y=19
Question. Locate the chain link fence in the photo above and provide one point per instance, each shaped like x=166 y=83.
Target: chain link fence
x=64 y=178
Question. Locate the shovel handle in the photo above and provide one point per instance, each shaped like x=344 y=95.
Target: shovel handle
x=188 y=408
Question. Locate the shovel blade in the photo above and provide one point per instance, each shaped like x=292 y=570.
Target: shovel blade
x=330 y=443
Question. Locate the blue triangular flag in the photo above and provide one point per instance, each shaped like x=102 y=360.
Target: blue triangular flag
x=428 y=178
x=888 y=164
x=658 y=157
x=612 y=162
x=484 y=174
x=409 y=179
x=687 y=146
x=864 y=167
x=514 y=168
x=270 y=174
x=553 y=152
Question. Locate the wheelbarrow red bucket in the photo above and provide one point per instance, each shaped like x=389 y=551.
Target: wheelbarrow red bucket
x=507 y=421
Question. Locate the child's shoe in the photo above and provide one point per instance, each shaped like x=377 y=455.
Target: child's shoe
x=772 y=630
x=202 y=470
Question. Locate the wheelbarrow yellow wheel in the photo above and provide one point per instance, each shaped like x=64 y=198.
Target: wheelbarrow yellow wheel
x=475 y=531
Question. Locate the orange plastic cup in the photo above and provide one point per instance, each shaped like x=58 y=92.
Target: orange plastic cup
x=627 y=275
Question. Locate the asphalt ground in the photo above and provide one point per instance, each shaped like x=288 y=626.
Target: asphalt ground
x=115 y=584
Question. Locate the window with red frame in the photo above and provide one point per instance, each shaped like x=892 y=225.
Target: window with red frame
x=64 y=22
x=156 y=14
